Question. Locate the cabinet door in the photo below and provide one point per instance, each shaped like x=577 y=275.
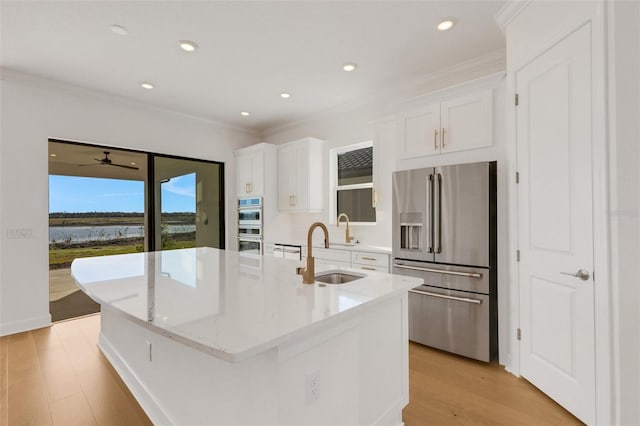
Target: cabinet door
x=256 y=186
x=466 y=122
x=243 y=174
x=300 y=182
x=419 y=132
x=286 y=171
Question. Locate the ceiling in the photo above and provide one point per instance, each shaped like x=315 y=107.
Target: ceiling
x=249 y=52
x=68 y=159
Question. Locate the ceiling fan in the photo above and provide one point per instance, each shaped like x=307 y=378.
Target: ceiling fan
x=106 y=161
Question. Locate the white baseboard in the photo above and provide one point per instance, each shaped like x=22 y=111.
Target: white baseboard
x=137 y=388
x=24 y=325
x=393 y=416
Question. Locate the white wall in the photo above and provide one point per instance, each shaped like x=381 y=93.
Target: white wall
x=624 y=159
x=375 y=120
x=34 y=110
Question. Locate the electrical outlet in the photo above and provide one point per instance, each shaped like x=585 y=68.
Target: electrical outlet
x=312 y=387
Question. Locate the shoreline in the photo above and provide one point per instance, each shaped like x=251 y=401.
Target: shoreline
x=107 y=246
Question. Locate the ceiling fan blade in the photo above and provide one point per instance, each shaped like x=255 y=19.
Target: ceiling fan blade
x=91 y=164
x=98 y=160
x=125 y=166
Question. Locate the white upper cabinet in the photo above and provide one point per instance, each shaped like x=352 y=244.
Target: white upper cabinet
x=300 y=167
x=250 y=169
x=419 y=132
x=453 y=125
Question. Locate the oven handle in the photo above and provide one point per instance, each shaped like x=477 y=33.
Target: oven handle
x=256 y=239
x=444 y=296
x=439 y=271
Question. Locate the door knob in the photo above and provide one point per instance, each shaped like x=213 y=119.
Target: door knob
x=583 y=274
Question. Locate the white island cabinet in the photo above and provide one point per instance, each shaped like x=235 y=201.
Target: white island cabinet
x=207 y=336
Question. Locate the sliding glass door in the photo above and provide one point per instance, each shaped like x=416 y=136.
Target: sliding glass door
x=187 y=199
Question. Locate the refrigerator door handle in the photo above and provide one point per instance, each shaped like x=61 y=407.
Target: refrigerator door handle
x=444 y=296
x=439 y=271
x=438 y=248
x=430 y=214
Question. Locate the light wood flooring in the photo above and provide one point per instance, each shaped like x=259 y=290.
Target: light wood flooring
x=57 y=375
x=446 y=389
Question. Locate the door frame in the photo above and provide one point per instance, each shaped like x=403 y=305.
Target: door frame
x=604 y=378
x=149 y=202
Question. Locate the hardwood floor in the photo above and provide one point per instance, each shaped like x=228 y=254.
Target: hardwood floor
x=446 y=389
x=57 y=375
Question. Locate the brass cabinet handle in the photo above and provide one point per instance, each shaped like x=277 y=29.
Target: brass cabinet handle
x=443 y=132
x=435 y=139
x=368 y=268
x=246 y=188
x=367 y=258
x=374 y=198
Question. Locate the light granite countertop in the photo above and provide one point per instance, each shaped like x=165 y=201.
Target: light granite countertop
x=228 y=304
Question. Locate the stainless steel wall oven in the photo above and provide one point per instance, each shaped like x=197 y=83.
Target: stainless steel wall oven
x=250 y=225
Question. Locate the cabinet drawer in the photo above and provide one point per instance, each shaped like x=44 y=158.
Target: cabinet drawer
x=366 y=267
x=331 y=254
x=372 y=259
x=327 y=262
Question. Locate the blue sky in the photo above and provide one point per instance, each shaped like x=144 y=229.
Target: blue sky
x=82 y=194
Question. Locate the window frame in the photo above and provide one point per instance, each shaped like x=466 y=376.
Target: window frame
x=333 y=180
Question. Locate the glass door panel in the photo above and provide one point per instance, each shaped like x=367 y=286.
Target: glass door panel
x=187 y=201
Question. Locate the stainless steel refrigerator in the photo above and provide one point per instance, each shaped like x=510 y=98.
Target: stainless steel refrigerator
x=444 y=231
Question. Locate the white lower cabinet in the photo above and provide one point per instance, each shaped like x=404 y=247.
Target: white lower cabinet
x=367 y=261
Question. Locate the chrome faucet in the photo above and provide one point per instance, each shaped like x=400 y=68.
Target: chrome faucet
x=309 y=273
x=347 y=237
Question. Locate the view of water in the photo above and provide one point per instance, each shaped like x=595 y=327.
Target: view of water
x=58 y=234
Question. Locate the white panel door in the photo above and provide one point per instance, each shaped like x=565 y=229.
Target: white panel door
x=555 y=224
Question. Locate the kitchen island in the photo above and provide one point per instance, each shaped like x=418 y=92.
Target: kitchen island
x=207 y=336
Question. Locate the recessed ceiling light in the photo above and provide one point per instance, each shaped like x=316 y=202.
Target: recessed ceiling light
x=446 y=24
x=188 y=46
x=119 y=29
x=285 y=95
x=133 y=163
x=147 y=86
x=245 y=113
x=52 y=155
x=349 y=67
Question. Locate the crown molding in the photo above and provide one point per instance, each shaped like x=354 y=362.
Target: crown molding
x=394 y=94
x=9 y=74
x=509 y=11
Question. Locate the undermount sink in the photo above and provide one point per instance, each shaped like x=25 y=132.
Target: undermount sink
x=337 y=277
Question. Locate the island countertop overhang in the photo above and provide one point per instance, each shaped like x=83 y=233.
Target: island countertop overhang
x=227 y=304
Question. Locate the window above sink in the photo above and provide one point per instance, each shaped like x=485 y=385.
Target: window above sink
x=352 y=190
